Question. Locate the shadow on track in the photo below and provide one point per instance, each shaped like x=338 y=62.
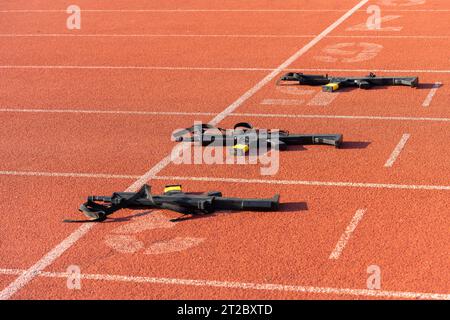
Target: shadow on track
x=284 y=207
x=354 y=145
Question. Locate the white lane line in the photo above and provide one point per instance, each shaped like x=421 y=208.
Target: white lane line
x=377 y=70
x=152 y=35
x=397 y=150
x=227 y=180
x=184 y=68
x=63 y=67
x=283 y=102
x=431 y=94
x=345 y=237
x=237 y=114
x=324 y=116
x=309 y=183
x=213 y=10
x=172 y=10
x=67 y=174
x=51 y=256
x=373 y=36
x=114 y=112
x=240 y=285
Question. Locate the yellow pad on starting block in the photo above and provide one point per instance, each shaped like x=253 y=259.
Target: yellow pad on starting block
x=241 y=148
x=330 y=87
x=170 y=188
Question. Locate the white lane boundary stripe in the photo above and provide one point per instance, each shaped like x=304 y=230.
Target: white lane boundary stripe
x=237 y=114
x=345 y=237
x=326 y=116
x=183 y=68
x=241 y=285
x=173 y=10
x=230 y=180
x=431 y=94
x=390 y=162
x=375 y=70
x=378 y=70
x=51 y=256
x=63 y=67
x=309 y=183
x=115 y=112
x=153 y=35
x=67 y=174
x=373 y=36
x=213 y=10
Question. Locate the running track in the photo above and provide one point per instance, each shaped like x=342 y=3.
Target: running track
x=91 y=111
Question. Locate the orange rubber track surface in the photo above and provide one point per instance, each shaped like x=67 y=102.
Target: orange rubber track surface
x=90 y=111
